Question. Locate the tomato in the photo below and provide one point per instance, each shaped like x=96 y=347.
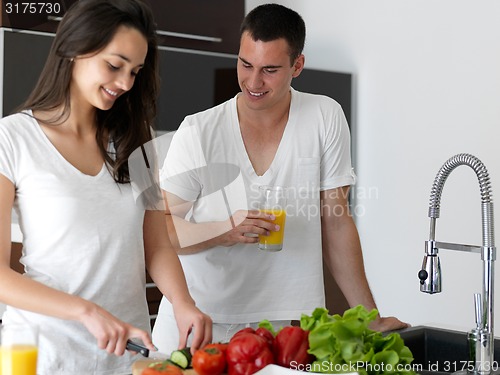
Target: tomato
x=222 y=346
x=162 y=368
x=210 y=360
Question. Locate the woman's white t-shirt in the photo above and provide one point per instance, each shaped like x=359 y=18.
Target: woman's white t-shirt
x=82 y=235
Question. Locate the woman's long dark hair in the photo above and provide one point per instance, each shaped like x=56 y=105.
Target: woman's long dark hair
x=87 y=27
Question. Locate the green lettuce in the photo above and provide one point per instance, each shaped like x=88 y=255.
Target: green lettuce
x=343 y=344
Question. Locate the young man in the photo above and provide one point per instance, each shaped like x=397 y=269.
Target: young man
x=268 y=134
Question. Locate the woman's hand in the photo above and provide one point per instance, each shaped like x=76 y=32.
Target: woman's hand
x=191 y=320
x=247 y=226
x=110 y=332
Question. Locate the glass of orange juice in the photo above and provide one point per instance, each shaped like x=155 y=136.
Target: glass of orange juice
x=18 y=349
x=273 y=201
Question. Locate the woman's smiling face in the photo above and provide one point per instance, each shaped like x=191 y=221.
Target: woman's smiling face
x=98 y=79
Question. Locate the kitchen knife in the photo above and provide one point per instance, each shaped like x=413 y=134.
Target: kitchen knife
x=145 y=352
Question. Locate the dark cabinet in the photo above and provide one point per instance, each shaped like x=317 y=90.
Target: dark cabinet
x=192 y=82
x=206 y=25
x=23 y=60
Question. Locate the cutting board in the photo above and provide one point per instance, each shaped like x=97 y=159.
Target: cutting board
x=141 y=364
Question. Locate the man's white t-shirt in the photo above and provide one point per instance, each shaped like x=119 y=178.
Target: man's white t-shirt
x=207 y=164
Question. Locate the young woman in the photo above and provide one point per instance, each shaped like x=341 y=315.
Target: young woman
x=64 y=170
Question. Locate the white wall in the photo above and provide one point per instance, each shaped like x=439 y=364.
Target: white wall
x=427 y=86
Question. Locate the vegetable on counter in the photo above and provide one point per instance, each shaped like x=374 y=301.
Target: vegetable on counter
x=291 y=346
x=210 y=360
x=322 y=344
x=266 y=333
x=162 y=368
x=181 y=358
x=247 y=353
x=346 y=344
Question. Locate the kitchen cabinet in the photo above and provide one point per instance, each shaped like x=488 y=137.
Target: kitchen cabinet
x=205 y=25
x=16 y=250
x=24 y=55
x=192 y=81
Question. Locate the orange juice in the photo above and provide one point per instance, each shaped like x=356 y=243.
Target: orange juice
x=274 y=242
x=18 y=360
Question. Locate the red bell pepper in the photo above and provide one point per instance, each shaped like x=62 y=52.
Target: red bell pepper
x=243 y=330
x=261 y=331
x=290 y=347
x=247 y=353
x=267 y=335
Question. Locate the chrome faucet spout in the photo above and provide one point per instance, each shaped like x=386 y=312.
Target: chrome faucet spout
x=482 y=336
x=430 y=274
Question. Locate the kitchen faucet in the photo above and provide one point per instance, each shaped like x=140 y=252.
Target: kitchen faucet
x=481 y=338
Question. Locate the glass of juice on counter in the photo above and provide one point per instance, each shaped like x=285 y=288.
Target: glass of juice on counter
x=273 y=201
x=18 y=349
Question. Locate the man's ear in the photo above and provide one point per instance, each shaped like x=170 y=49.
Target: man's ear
x=298 y=65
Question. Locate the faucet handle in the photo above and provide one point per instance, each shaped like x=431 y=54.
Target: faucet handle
x=478 y=306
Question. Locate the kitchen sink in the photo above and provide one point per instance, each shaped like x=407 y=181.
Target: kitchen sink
x=441 y=351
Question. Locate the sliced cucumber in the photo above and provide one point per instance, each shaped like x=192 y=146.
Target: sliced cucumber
x=181 y=358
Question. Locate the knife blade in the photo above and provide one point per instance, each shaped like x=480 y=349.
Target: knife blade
x=145 y=352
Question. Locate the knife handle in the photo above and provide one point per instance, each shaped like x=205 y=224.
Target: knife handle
x=137 y=348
